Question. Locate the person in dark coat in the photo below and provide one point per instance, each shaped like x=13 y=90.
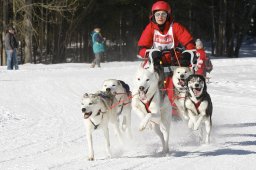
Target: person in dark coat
x=11 y=45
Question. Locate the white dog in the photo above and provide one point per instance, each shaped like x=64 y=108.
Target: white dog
x=199 y=105
x=180 y=74
x=98 y=113
x=152 y=105
x=122 y=93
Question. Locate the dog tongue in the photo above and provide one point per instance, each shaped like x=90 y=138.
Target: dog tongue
x=181 y=82
x=197 y=91
x=142 y=95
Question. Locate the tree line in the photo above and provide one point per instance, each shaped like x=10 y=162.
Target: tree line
x=55 y=31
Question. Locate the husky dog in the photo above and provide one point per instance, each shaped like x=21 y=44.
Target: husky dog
x=151 y=104
x=199 y=105
x=122 y=93
x=180 y=74
x=98 y=112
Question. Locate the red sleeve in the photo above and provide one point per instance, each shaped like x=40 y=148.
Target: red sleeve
x=202 y=54
x=182 y=35
x=146 y=40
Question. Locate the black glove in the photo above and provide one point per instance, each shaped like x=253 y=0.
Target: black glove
x=185 y=59
x=156 y=57
x=195 y=59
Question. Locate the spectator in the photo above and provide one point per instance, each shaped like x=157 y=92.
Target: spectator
x=98 y=47
x=11 y=46
x=201 y=58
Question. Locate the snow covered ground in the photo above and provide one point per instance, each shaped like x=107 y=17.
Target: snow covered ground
x=41 y=125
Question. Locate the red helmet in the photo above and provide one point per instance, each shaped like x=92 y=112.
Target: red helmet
x=161 y=5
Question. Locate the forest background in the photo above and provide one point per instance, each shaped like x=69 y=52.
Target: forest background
x=58 y=31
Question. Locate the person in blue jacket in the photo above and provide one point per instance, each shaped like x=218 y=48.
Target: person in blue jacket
x=98 y=47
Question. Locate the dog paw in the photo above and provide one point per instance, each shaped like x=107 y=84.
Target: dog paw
x=196 y=126
x=109 y=156
x=142 y=127
x=91 y=159
x=123 y=127
x=185 y=117
x=190 y=124
x=165 y=151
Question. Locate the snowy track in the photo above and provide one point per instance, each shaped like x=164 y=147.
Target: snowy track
x=41 y=126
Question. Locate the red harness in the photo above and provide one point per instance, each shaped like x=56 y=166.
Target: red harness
x=197 y=105
x=148 y=104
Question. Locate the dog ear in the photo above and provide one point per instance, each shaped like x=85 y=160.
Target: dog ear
x=187 y=79
x=202 y=77
x=142 y=66
x=151 y=67
x=118 y=82
x=205 y=86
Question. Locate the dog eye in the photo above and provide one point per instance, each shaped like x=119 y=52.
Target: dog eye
x=114 y=85
x=138 y=78
x=147 y=80
x=90 y=103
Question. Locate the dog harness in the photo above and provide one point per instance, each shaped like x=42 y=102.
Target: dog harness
x=198 y=103
x=163 y=93
x=148 y=104
x=96 y=126
x=122 y=106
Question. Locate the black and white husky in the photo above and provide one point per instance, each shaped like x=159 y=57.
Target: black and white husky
x=198 y=104
x=98 y=113
x=151 y=104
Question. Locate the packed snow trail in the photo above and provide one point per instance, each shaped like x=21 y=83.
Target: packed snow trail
x=42 y=126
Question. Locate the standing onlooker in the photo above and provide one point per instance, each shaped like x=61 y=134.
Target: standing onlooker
x=202 y=58
x=11 y=46
x=98 y=47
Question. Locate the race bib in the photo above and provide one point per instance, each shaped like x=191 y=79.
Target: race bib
x=163 y=41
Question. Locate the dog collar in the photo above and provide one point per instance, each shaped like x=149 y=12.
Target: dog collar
x=96 y=126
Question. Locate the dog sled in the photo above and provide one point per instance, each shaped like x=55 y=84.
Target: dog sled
x=167 y=62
